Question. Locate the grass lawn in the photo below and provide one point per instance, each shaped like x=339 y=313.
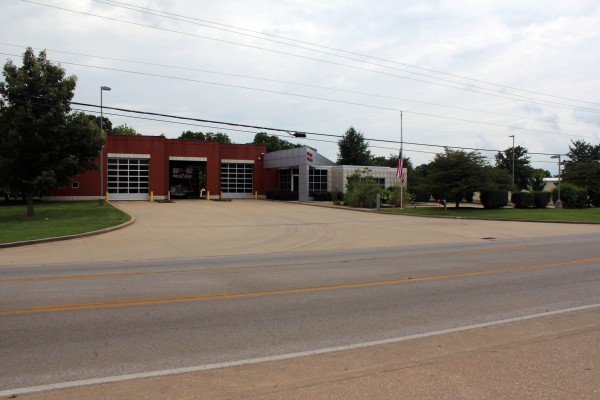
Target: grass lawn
x=533 y=214
x=56 y=219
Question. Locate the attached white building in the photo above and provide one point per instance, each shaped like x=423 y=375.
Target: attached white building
x=303 y=170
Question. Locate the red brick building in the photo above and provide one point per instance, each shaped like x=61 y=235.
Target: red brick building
x=136 y=166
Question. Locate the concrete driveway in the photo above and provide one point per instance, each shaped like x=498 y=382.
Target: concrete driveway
x=187 y=229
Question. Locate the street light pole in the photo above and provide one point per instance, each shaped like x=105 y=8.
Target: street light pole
x=513 y=161
x=102 y=200
x=558 y=203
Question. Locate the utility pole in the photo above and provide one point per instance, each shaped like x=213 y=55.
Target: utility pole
x=513 y=161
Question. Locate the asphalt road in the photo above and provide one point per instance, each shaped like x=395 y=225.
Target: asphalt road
x=79 y=321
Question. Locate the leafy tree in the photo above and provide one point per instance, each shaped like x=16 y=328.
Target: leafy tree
x=189 y=135
x=583 y=167
x=123 y=130
x=209 y=136
x=381 y=161
x=106 y=123
x=218 y=137
x=41 y=144
x=536 y=182
x=495 y=179
x=523 y=169
x=273 y=143
x=391 y=161
x=582 y=152
x=354 y=150
x=456 y=175
x=418 y=183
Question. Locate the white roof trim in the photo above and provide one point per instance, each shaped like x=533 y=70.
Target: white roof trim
x=123 y=155
x=178 y=158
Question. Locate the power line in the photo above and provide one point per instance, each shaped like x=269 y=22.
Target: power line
x=407 y=149
x=281 y=129
x=292 y=83
x=182 y=18
x=242 y=130
x=314 y=98
x=515 y=97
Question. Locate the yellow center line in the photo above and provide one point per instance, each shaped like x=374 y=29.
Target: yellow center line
x=226 y=296
x=183 y=271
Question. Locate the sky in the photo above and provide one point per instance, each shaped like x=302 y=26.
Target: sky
x=462 y=73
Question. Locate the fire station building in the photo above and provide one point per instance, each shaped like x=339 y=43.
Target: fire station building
x=138 y=167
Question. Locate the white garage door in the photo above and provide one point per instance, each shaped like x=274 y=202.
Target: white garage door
x=128 y=178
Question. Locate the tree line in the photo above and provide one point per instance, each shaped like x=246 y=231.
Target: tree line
x=456 y=175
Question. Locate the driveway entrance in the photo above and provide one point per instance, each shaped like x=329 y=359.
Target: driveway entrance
x=186 y=229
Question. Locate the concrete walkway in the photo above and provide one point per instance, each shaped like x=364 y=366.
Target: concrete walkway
x=188 y=229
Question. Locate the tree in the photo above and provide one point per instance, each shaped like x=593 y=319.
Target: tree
x=456 y=174
x=273 y=143
x=536 y=182
x=41 y=144
x=418 y=183
x=523 y=169
x=209 y=136
x=391 y=162
x=354 y=150
x=583 y=167
x=582 y=152
x=123 y=130
x=106 y=123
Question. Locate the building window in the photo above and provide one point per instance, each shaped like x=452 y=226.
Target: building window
x=317 y=180
x=285 y=179
x=380 y=182
x=128 y=175
x=75 y=185
x=237 y=178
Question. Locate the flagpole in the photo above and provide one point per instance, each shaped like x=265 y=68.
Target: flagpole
x=401 y=155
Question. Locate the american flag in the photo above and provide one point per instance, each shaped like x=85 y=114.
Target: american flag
x=400 y=169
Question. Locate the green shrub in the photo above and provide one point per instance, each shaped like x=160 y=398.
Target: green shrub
x=422 y=193
x=494 y=198
x=394 y=197
x=320 y=196
x=541 y=199
x=326 y=196
x=570 y=195
x=362 y=194
x=278 y=194
x=522 y=199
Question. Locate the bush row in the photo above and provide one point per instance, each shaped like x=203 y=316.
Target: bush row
x=327 y=196
x=288 y=195
x=278 y=194
x=530 y=199
x=494 y=198
x=571 y=196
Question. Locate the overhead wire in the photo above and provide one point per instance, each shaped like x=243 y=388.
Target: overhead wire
x=227 y=129
x=140 y=112
x=296 y=84
x=515 y=97
x=192 y=20
x=262 y=128
x=316 y=98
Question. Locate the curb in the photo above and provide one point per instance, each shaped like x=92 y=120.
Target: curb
x=370 y=210
x=69 y=237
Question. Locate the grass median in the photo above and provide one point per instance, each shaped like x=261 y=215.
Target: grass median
x=56 y=219
x=533 y=214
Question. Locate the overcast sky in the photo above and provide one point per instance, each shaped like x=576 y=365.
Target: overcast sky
x=464 y=73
